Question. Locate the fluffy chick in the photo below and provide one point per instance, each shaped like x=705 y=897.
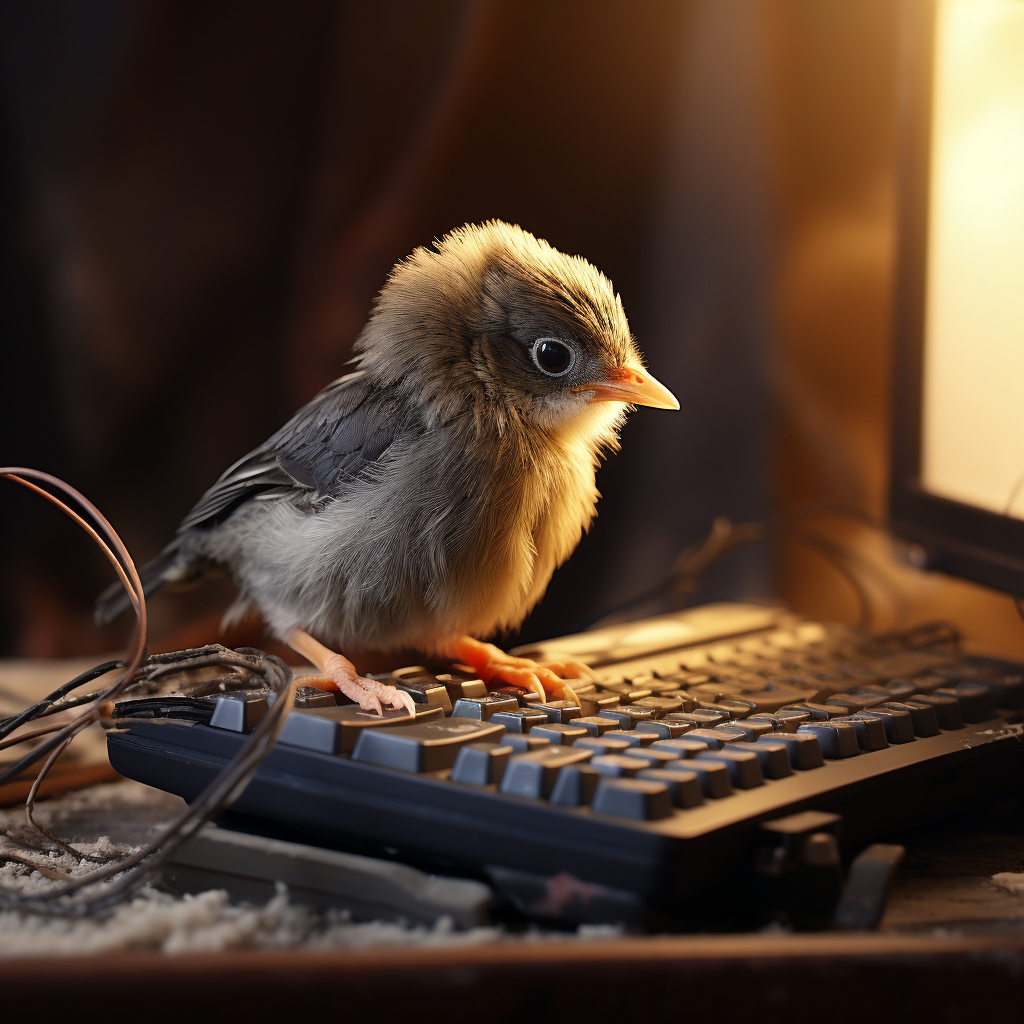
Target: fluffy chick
x=425 y=499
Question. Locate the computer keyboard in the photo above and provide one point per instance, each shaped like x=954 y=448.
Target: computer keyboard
x=697 y=730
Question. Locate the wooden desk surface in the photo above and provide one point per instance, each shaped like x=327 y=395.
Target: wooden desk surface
x=833 y=978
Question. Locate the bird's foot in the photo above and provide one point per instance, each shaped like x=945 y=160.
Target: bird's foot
x=548 y=681
x=340 y=674
x=369 y=694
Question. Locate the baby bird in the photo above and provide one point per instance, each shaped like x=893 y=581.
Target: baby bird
x=424 y=500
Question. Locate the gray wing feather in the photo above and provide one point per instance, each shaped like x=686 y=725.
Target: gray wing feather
x=337 y=437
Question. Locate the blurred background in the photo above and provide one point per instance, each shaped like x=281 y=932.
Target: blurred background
x=199 y=200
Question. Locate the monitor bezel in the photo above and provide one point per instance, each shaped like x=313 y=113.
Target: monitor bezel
x=955 y=538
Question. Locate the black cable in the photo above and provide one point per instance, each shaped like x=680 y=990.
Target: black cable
x=225 y=787
x=41 y=708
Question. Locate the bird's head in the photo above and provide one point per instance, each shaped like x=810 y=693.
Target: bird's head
x=495 y=317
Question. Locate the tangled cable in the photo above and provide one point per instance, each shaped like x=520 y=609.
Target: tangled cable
x=247 y=666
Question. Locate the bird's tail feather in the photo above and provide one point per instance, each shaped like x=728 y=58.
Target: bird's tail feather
x=154 y=574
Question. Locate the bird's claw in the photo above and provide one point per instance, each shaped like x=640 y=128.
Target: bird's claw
x=369 y=694
x=548 y=681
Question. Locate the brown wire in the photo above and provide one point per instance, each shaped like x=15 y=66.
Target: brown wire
x=31 y=735
x=127 y=573
x=223 y=789
x=30 y=802
x=43 y=869
x=125 y=568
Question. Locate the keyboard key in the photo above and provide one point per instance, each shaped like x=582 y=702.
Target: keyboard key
x=558 y=733
x=837 y=740
x=461 y=684
x=708 y=737
x=823 y=712
x=536 y=773
x=739 y=729
x=625 y=716
x=595 y=725
x=763 y=718
x=618 y=765
x=239 y=713
x=898 y=689
x=424 y=689
x=654 y=758
x=715 y=782
x=523 y=742
x=859 y=701
x=730 y=733
x=626 y=692
x=947 y=709
x=1005 y=679
x=772 y=757
x=922 y=716
x=929 y=683
x=422 y=747
x=898 y=725
x=640 y=799
x=789 y=719
x=744 y=768
x=869 y=729
x=522 y=697
x=976 y=703
x=804 y=751
x=663 y=729
x=683 y=785
x=690 y=703
x=575 y=786
x=632 y=737
x=602 y=745
x=592 y=703
x=682 y=720
x=482 y=708
x=1008 y=691
x=659 y=706
x=312 y=697
x=726 y=733
x=704 y=718
x=481 y=764
x=336 y=730
x=872 y=696
x=560 y=711
x=655 y=685
x=522 y=720
x=685 y=747
x=737 y=707
x=753 y=728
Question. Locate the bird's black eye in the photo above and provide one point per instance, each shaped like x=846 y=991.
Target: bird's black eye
x=552 y=357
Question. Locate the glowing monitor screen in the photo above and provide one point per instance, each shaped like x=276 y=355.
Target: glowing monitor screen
x=973 y=388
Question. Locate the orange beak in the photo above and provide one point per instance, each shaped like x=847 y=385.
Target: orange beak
x=628 y=384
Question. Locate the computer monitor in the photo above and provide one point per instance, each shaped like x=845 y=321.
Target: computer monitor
x=957 y=486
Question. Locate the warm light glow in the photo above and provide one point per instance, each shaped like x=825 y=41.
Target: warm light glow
x=973 y=428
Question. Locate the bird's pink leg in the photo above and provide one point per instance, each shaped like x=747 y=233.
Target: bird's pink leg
x=493 y=664
x=340 y=674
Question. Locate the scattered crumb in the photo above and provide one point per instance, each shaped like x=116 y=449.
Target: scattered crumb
x=207 y=922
